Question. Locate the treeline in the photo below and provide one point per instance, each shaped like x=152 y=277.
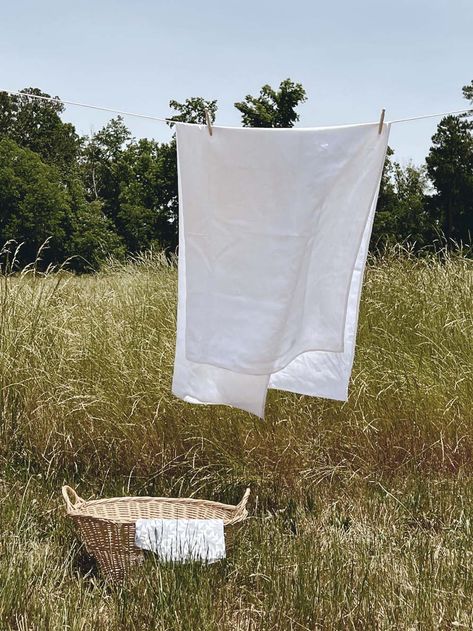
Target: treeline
x=109 y=194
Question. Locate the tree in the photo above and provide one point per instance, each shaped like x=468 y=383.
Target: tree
x=401 y=212
x=36 y=206
x=450 y=168
x=92 y=238
x=136 y=181
x=33 y=203
x=272 y=108
x=148 y=196
x=193 y=110
x=90 y=235
x=468 y=92
x=101 y=164
x=36 y=125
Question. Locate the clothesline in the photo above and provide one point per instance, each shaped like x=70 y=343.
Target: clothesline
x=416 y=118
x=171 y=120
x=92 y=107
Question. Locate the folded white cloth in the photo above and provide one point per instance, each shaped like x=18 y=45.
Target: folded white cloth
x=182 y=539
x=273 y=236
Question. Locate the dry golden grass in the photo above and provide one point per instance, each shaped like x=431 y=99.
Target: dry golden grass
x=363 y=518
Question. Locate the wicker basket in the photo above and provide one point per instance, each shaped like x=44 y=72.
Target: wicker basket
x=107 y=526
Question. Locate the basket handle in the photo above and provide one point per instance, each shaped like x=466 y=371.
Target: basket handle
x=241 y=506
x=71 y=498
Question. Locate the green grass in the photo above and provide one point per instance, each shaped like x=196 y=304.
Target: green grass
x=362 y=512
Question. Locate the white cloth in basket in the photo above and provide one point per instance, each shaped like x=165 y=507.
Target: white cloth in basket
x=274 y=226
x=182 y=539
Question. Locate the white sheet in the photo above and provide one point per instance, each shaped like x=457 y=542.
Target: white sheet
x=182 y=539
x=274 y=230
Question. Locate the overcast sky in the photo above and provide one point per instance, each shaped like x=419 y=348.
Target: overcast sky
x=353 y=57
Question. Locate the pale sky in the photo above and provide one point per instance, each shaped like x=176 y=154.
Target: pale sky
x=353 y=58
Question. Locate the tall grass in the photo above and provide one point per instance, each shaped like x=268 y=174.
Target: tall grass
x=363 y=513
x=86 y=367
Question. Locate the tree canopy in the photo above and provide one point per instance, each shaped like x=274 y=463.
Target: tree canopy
x=272 y=108
x=37 y=125
x=34 y=206
x=110 y=194
x=450 y=168
x=401 y=213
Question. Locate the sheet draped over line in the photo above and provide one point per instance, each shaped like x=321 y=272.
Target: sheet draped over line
x=274 y=227
x=182 y=539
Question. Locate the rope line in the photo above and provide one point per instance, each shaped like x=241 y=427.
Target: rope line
x=170 y=120
x=92 y=107
x=416 y=118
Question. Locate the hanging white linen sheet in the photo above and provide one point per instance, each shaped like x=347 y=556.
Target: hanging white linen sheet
x=274 y=226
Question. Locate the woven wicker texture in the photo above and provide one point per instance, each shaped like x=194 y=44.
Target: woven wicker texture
x=107 y=526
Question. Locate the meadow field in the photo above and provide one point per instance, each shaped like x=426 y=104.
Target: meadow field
x=361 y=514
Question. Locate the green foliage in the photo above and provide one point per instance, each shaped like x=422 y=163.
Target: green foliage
x=193 y=110
x=91 y=235
x=112 y=195
x=101 y=164
x=37 y=205
x=468 y=92
x=34 y=206
x=401 y=213
x=272 y=108
x=450 y=168
x=36 y=125
x=136 y=183
x=93 y=239
x=148 y=196
x=137 y=180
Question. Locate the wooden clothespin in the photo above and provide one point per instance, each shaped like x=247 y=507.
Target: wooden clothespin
x=208 y=121
x=381 y=121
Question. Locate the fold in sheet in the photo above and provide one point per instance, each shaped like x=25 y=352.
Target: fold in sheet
x=273 y=237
